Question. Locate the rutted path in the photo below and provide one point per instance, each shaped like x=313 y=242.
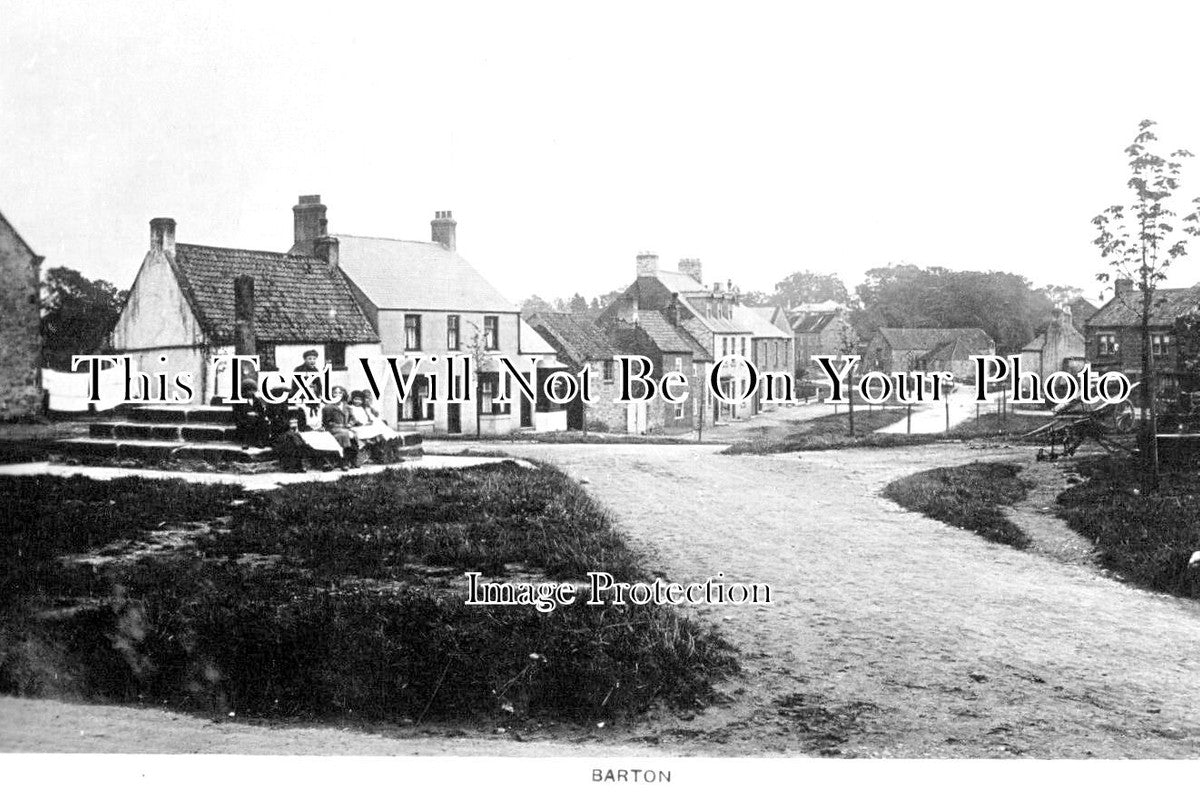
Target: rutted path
x=965 y=648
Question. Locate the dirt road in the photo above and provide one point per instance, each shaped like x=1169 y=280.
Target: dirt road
x=895 y=633
x=890 y=634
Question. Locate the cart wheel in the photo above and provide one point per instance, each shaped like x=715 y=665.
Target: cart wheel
x=1123 y=417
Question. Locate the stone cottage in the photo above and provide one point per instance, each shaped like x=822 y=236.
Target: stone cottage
x=20 y=325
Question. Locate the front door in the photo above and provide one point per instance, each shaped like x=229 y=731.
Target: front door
x=526 y=412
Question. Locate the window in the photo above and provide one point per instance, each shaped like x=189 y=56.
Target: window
x=724 y=345
x=679 y=363
x=412 y=331
x=415 y=407
x=491 y=333
x=335 y=354
x=1106 y=344
x=608 y=371
x=266 y=357
x=452 y=323
x=744 y=346
x=489 y=385
x=679 y=411
x=1159 y=343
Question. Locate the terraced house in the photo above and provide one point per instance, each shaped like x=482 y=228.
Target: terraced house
x=424 y=300
x=708 y=316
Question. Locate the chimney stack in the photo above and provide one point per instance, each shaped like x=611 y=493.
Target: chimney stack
x=1123 y=286
x=691 y=268
x=310 y=222
x=443 y=226
x=162 y=235
x=326 y=249
x=647 y=264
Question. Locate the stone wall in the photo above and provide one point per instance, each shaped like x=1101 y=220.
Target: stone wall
x=20 y=320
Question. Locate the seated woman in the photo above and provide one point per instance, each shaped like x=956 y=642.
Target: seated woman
x=371 y=430
x=335 y=419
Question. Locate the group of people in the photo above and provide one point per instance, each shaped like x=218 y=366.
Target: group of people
x=350 y=427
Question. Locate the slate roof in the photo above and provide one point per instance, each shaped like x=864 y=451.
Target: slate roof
x=573 y=336
x=397 y=274
x=759 y=326
x=296 y=298
x=813 y=323
x=926 y=339
x=1126 y=310
x=1037 y=344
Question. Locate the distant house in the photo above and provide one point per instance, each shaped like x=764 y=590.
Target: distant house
x=424 y=299
x=579 y=343
x=929 y=349
x=1114 y=335
x=1061 y=347
x=181 y=311
x=821 y=333
x=658 y=336
x=708 y=315
x=20 y=325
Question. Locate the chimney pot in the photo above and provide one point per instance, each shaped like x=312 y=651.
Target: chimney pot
x=444 y=230
x=162 y=235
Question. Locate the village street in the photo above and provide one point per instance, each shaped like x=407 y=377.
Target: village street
x=890 y=634
x=959 y=646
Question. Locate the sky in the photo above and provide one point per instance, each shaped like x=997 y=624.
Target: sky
x=762 y=138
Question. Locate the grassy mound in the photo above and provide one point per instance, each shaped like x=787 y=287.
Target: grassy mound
x=1147 y=539
x=969 y=497
x=332 y=600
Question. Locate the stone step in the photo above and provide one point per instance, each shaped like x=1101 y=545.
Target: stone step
x=179 y=415
x=126 y=429
x=158 y=450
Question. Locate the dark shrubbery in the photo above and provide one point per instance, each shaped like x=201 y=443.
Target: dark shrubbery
x=1147 y=539
x=968 y=497
x=314 y=604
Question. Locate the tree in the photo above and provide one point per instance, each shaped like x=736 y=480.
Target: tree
x=809 y=287
x=477 y=349
x=78 y=315
x=1141 y=249
x=756 y=298
x=577 y=304
x=533 y=304
x=907 y=296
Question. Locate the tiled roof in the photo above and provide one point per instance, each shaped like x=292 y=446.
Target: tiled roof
x=575 y=337
x=1165 y=306
x=397 y=274
x=670 y=338
x=949 y=351
x=925 y=339
x=1037 y=344
x=296 y=298
x=1081 y=311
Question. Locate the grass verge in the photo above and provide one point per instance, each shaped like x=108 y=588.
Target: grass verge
x=969 y=497
x=1146 y=539
x=833 y=433
x=332 y=601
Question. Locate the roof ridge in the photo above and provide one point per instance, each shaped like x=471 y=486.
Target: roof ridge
x=389 y=239
x=284 y=254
